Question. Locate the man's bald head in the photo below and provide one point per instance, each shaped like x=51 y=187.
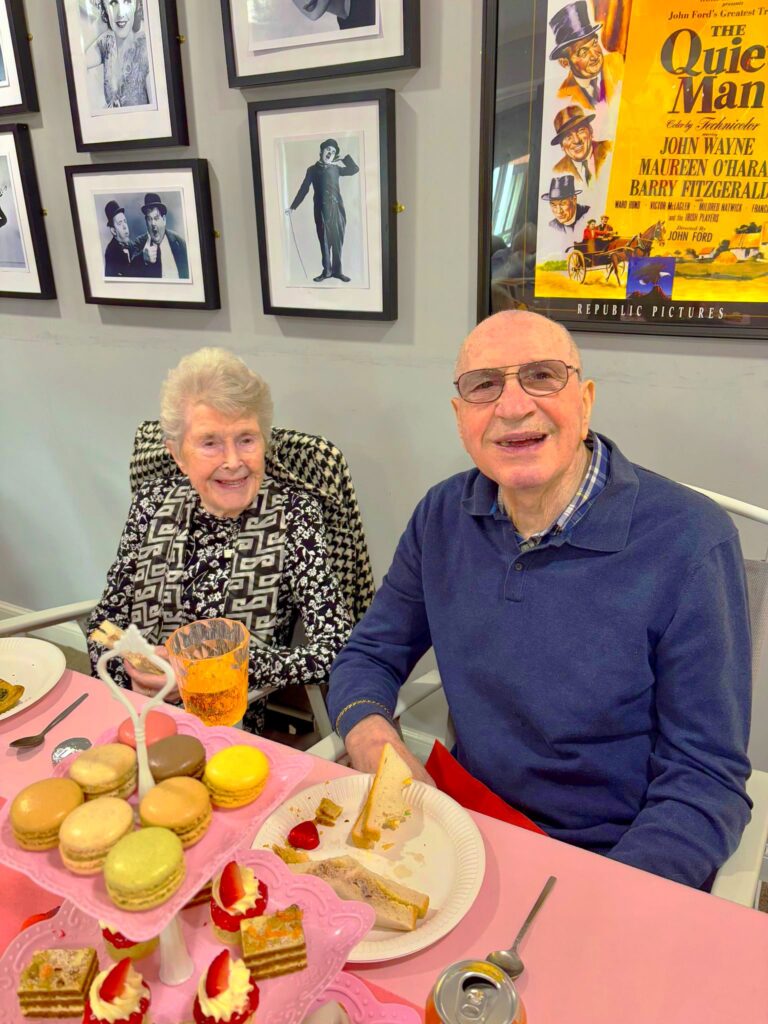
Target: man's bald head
x=520 y=328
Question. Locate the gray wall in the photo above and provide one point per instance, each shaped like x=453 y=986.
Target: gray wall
x=76 y=379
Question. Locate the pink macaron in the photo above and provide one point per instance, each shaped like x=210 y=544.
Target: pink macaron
x=157 y=726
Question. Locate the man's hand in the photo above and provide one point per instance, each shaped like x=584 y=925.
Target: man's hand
x=149 y=252
x=366 y=740
x=148 y=683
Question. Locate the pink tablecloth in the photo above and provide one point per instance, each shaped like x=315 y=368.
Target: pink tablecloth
x=612 y=944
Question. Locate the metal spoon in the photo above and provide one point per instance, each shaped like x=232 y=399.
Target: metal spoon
x=26 y=742
x=67 y=747
x=508 y=959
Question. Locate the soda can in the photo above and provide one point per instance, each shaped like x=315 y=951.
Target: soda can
x=474 y=992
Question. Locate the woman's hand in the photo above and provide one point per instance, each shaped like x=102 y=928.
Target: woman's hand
x=148 y=683
x=365 y=742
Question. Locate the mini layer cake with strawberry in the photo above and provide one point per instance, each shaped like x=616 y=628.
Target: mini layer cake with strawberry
x=118 y=995
x=236 y=895
x=119 y=946
x=226 y=993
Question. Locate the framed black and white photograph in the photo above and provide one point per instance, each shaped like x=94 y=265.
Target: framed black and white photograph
x=18 y=93
x=296 y=40
x=25 y=262
x=123 y=65
x=324 y=181
x=144 y=233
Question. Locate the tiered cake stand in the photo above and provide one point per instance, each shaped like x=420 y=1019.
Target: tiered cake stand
x=332 y=927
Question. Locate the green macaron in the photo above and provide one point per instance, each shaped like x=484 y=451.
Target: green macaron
x=144 y=868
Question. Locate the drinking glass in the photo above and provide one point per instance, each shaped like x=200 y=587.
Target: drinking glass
x=210 y=659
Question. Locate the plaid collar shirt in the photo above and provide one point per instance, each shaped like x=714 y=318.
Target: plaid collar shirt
x=594 y=481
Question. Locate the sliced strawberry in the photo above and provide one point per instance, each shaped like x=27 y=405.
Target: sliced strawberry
x=304 y=836
x=217 y=978
x=114 y=983
x=39 y=917
x=230 y=885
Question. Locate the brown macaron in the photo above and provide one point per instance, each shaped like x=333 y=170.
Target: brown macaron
x=176 y=755
x=38 y=810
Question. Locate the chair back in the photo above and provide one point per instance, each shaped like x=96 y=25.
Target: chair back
x=306 y=463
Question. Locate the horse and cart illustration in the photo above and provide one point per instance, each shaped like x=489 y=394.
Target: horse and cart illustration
x=613 y=253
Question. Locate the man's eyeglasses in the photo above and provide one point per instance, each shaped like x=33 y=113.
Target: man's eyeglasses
x=544 y=377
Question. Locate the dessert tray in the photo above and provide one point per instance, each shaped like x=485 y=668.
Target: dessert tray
x=331 y=927
x=439 y=851
x=229 y=829
x=361 y=1006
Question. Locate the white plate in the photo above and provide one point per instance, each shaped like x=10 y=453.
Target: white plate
x=438 y=850
x=34 y=664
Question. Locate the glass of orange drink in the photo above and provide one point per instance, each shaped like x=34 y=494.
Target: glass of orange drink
x=210 y=659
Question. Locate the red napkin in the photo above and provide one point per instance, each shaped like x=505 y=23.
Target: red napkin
x=468 y=791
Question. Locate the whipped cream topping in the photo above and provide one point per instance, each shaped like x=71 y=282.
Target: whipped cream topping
x=249 y=897
x=125 y=1004
x=234 y=999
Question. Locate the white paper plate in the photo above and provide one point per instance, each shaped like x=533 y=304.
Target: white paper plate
x=34 y=664
x=438 y=850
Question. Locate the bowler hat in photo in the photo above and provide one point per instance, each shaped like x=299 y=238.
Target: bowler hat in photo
x=568 y=120
x=330 y=142
x=570 y=25
x=152 y=199
x=111 y=210
x=562 y=187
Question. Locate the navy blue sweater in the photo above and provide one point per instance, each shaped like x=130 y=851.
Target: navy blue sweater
x=600 y=682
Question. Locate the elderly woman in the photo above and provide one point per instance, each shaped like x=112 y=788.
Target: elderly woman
x=121 y=52
x=226 y=540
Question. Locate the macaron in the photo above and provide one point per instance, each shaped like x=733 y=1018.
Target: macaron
x=106 y=770
x=176 y=755
x=156 y=727
x=180 y=804
x=88 y=833
x=144 y=869
x=236 y=775
x=38 y=811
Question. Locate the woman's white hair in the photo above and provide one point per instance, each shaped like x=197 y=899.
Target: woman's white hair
x=215 y=377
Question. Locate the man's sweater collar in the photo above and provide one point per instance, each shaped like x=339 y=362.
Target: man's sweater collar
x=606 y=525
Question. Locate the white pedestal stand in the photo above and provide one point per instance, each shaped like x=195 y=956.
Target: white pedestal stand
x=175 y=962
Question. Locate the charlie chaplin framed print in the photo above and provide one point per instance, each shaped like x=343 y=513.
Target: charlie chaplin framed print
x=324 y=182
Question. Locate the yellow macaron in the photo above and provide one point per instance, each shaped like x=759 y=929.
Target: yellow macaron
x=106 y=770
x=236 y=775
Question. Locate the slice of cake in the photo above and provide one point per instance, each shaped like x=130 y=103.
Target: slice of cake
x=56 y=982
x=327 y=812
x=274 y=944
x=289 y=855
x=385 y=806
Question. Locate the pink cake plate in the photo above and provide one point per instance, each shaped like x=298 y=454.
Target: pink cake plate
x=229 y=830
x=360 y=1004
x=332 y=927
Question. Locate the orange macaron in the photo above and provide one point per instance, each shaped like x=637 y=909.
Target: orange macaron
x=180 y=804
x=38 y=810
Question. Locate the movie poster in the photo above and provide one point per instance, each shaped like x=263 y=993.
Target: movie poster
x=647 y=178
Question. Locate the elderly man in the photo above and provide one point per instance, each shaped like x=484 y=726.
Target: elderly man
x=594 y=75
x=160 y=252
x=589 y=620
x=584 y=155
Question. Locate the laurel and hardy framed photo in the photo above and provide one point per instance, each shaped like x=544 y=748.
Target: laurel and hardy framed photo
x=123 y=64
x=300 y=40
x=18 y=93
x=25 y=262
x=324 y=182
x=623 y=170
x=144 y=233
